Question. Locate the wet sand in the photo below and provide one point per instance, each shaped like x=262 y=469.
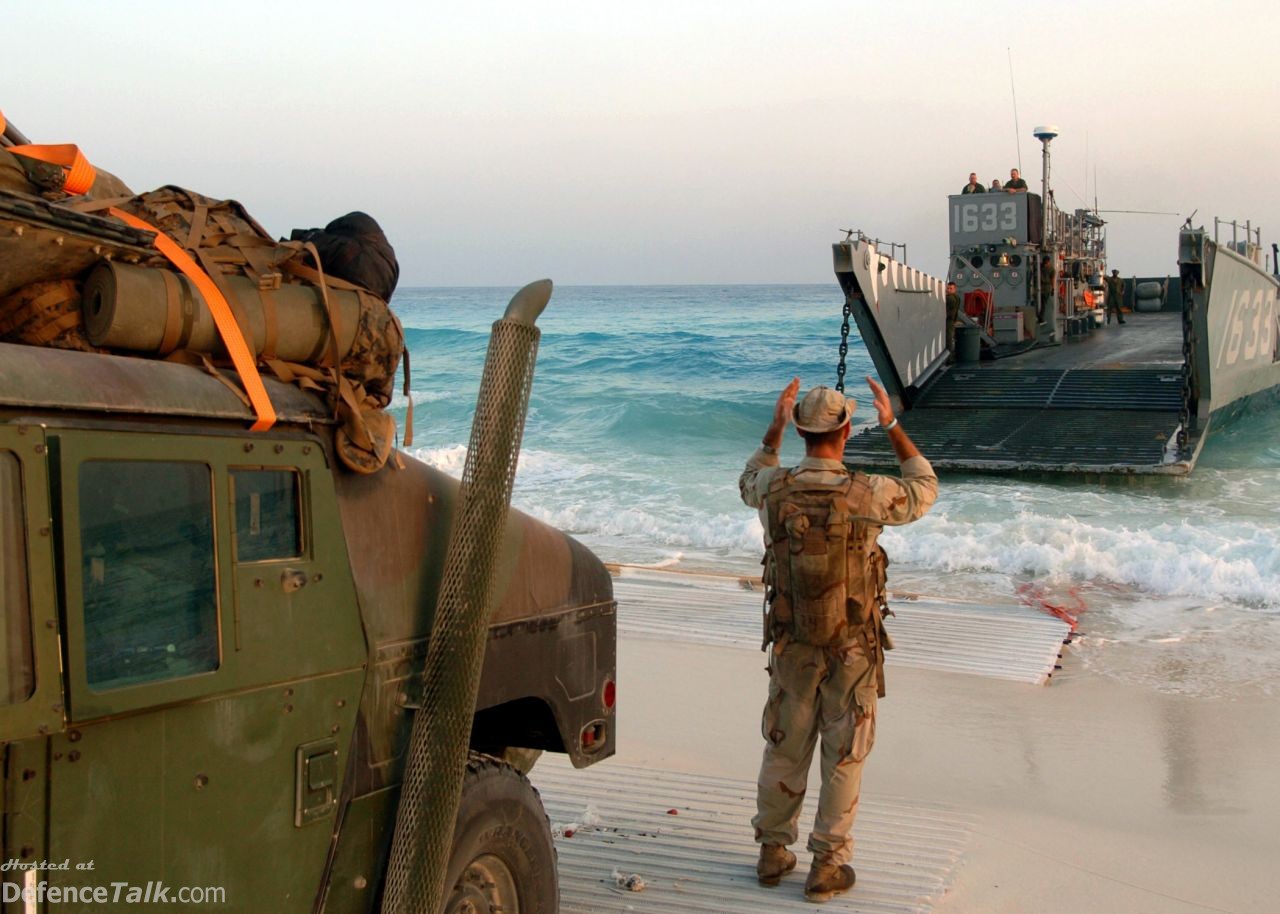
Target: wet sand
x=1089 y=794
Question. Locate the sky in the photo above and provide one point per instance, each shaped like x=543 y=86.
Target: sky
x=662 y=142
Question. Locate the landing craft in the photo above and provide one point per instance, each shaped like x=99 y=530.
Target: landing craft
x=1041 y=383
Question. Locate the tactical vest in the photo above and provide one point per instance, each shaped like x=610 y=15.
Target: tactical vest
x=825 y=572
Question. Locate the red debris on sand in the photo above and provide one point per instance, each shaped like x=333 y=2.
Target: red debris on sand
x=1068 y=610
x=568 y=832
x=673 y=812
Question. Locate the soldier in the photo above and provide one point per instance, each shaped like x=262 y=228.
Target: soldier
x=1046 y=285
x=824 y=571
x=953 y=314
x=1115 y=296
x=1015 y=184
x=995 y=186
x=973 y=187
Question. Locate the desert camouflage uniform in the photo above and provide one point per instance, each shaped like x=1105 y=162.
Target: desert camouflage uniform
x=824 y=692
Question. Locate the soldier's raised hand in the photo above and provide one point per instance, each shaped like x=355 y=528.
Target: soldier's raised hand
x=786 y=401
x=881 y=402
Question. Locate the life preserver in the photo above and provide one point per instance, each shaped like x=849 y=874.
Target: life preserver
x=977 y=304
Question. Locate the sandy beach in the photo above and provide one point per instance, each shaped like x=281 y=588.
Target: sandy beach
x=1087 y=795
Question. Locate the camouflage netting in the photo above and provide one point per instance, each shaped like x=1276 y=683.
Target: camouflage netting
x=45 y=314
x=438 y=747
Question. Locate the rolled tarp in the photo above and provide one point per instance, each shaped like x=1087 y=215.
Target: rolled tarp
x=156 y=311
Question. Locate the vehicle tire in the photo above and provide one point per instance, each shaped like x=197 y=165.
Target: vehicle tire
x=503 y=859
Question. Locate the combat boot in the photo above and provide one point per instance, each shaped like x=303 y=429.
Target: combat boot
x=775 y=862
x=827 y=880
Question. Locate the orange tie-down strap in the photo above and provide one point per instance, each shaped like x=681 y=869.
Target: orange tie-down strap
x=80 y=174
x=242 y=356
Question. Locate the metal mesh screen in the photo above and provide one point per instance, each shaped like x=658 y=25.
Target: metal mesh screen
x=441 y=731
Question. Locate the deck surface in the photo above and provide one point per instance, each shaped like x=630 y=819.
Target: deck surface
x=1108 y=402
x=1144 y=340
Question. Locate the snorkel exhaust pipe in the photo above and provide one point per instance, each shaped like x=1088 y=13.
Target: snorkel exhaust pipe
x=438 y=745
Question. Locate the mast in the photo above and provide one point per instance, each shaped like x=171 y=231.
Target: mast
x=1045 y=135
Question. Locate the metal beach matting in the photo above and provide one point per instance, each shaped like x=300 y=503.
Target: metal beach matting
x=1002 y=641
x=683 y=843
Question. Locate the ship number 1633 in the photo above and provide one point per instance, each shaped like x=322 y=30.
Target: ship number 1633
x=1251 y=327
x=1001 y=215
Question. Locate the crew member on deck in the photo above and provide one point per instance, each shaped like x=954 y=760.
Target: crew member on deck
x=995 y=186
x=973 y=187
x=1115 y=296
x=1046 y=285
x=953 y=314
x=1015 y=184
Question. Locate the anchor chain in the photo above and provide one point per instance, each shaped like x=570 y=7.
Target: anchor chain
x=844 y=345
x=1188 y=362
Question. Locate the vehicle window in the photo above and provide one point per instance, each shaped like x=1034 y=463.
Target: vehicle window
x=149 y=574
x=267 y=517
x=18 y=676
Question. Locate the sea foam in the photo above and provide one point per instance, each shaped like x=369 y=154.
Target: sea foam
x=1228 y=560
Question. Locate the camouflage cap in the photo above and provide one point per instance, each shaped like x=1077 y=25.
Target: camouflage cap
x=822 y=410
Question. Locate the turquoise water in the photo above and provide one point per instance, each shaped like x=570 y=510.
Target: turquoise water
x=645 y=404
x=647 y=400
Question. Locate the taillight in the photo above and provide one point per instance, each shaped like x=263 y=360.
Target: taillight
x=609 y=694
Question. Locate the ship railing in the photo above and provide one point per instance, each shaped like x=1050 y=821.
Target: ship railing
x=1252 y=244
x=880 y=244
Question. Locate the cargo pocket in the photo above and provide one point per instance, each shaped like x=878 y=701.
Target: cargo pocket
x=864 y=728
x=770 y=725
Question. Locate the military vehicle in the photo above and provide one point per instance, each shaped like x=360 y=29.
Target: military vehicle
x=1040 y=383
x=213 y=638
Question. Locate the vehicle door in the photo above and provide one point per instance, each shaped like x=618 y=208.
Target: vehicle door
x=31 y=704
x=214 y=660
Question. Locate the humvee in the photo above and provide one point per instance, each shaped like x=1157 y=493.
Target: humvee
x=212 y=639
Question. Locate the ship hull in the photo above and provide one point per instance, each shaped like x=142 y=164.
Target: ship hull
x=1235 y=317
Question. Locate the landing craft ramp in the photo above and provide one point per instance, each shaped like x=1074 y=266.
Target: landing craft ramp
x=1106 y=402
x=1109 y=403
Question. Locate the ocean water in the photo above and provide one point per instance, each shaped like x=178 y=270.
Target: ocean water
x=647 y=401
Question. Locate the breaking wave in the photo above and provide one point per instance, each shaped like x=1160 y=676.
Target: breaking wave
x=1172 y=557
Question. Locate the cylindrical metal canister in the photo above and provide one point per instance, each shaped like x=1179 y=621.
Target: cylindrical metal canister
x=968 y=345
x=158 y=311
